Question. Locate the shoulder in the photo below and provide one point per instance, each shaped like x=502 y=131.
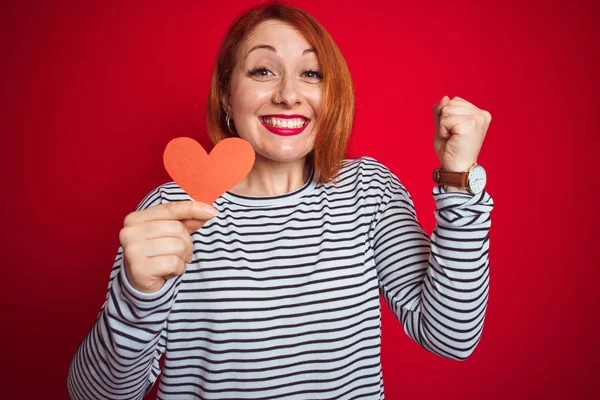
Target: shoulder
x=373 y=182
x=369 y=171
x=373 y=179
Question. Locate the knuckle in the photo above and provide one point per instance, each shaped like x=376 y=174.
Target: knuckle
x=176 y=265
x=180 y=267
x=125 y=235
x=169 y=228
x=171 y=209
x=162 y=263
x=129 y=218
x=166 y=227
x=171 y=262
x=180 y=247
x=181 y=230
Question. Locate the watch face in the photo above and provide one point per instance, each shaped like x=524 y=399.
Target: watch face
x=477 y=179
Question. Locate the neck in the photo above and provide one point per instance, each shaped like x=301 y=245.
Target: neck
x=272 y=178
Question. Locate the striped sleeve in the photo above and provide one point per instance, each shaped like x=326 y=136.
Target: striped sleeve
x=119 y=357
x=436 y=287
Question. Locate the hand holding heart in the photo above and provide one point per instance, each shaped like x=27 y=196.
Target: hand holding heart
x=157 y=244
x=460 y=128
x=156 y=241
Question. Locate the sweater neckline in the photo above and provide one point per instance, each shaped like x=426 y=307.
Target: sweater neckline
x=267 y=201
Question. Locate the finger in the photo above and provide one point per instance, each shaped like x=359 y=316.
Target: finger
x=457 y=99
x=167 y=245
x=442 y=132
x=177 y=210
x=167 y=266
x=164 y=228
x=451 y=110
x=437 y=109
x=161 y=228
x=450 y=123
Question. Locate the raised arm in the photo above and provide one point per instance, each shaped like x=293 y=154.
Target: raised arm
x=437 y=287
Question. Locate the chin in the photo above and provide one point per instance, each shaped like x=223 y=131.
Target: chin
x=279 y=149
x=284 y=156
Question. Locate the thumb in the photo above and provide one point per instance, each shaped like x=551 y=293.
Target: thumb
x=437 y=109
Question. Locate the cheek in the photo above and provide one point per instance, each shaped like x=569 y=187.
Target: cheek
x=248 y=98
x=314 y=96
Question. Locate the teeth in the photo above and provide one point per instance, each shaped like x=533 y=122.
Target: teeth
x=284 y=122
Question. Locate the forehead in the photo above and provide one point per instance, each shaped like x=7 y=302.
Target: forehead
x=285 y=38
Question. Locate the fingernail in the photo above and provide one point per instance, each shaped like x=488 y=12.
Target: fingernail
x=211 y=210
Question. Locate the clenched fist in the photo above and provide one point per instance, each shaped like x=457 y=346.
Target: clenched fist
x=460 y=128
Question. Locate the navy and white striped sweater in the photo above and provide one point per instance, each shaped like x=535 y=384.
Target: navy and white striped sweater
x=281 y=300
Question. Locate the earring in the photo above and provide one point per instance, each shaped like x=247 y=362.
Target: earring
x=227 y=119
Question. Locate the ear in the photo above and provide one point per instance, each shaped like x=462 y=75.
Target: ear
x=226 y=101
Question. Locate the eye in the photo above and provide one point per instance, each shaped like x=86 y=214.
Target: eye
x=260 y=72
x=313 y=74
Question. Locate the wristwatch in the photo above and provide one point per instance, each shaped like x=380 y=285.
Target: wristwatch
x=473 y=179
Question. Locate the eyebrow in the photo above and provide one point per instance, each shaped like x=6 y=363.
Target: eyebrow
x=271 y=48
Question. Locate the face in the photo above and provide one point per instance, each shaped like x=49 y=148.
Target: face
x=275 y=92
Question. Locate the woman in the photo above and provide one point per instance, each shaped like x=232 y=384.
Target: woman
x=280 y=295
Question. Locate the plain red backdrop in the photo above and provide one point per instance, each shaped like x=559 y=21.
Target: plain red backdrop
x=92 y=93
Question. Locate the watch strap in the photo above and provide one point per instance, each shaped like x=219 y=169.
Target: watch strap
x=457 y=179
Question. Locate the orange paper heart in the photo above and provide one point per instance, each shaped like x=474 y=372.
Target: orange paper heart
x=206 y=177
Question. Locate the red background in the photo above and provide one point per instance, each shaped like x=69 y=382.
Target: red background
x=92 y=93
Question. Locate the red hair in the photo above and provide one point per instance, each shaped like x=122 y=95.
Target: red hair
x=334 y=125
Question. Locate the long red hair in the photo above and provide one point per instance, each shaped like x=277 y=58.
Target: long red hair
x=334 y=125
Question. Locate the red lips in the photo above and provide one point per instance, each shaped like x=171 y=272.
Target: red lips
x=285 y=131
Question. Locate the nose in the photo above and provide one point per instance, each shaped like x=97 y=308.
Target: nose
x=287 y=92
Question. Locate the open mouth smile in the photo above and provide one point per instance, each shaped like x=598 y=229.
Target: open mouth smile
x=284 y=125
